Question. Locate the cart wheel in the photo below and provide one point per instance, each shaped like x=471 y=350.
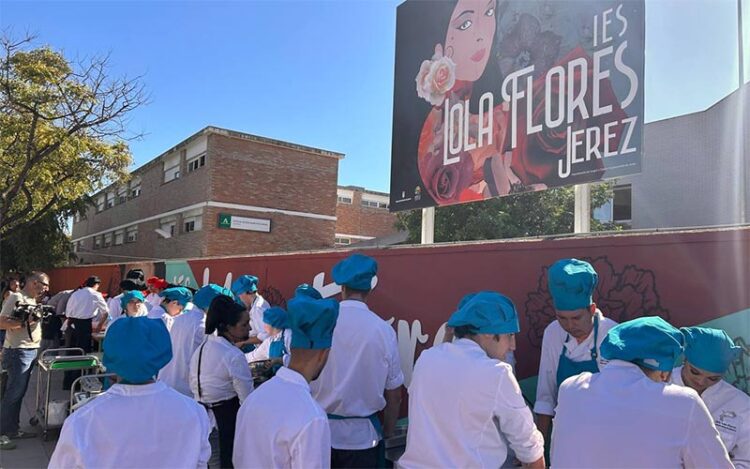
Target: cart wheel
x=33 y=421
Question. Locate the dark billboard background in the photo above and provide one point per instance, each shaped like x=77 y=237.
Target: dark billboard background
x=460 y=51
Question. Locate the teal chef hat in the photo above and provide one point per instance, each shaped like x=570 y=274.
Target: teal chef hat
x=488 y=312
x=207 y=293
x=137 y=348
x=308 y=290
x=312 y=322
x=180 y=294
x=245 y=284
x=356 y=272
x=275 y=317
x=571 y=283
x=709 y=349
x=649 y=341
x=128 y=296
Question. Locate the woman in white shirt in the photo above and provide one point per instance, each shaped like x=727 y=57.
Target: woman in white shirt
x=219 y=376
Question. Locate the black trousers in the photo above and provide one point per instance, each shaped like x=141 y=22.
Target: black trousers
x=80 y=336
x=226 y=420
x=354 y=458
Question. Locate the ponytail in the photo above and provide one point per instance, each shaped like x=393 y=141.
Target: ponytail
x=222 y=313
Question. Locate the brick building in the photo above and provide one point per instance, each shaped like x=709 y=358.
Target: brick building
x=362 y=215
x=219 y=192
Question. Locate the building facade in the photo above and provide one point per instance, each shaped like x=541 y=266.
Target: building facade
x=219 y=192
x=362 y=215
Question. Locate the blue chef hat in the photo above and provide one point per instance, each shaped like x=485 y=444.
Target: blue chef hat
x=356 y=272
x=469 y=296
x=709 y=349
x=308 y=290
x=136 y=348
x=571 y=283
x=129 y=296
x=181 y=294
x=245 y=284
x=312 y=322
x=275 y=317
x=488 y=312
x=207 y=293
x=649 y=341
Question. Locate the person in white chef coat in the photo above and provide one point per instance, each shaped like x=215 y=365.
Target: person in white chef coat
x=629 y=414
x=173 y=302
x=465 y=405
x=245 y=289
x=187 y=334
x=363 y=375
x=277 y=345
x=125 y=427
x=708 y=355
x=220 y=378
x=571 y=342
x=280 y=425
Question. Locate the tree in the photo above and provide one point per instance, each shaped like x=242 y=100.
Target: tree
x=62 y=131
x=527 y=214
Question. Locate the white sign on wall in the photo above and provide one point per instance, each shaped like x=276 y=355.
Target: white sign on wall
x=244 y=223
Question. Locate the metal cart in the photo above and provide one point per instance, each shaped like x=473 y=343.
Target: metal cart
x=52 y=361
x=87 y=387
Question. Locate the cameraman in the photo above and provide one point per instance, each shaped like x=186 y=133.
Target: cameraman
x=18 y=354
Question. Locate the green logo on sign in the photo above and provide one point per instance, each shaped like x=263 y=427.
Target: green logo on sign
x=225 y=221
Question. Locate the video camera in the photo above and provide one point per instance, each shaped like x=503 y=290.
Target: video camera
x=28 y=313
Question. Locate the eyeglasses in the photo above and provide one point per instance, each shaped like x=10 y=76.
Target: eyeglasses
x=43 y=283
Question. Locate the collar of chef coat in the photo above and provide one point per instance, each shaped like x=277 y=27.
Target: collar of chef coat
x=133 y=390
x=293 y=377
x=353 y=304
x=470 y=347
x=572 y=344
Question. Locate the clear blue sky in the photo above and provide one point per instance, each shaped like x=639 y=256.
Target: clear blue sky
x=321 y=73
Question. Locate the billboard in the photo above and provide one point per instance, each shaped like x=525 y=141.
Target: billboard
x=493 y=97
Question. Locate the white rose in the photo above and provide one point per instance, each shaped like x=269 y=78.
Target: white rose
x=435 y=78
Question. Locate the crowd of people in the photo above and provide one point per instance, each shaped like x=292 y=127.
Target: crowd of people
x=637 y=394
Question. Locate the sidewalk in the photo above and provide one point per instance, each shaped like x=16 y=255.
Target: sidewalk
x=33 y=452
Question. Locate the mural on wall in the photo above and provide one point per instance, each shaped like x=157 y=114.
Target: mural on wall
x=694 y=278
x=621 y=295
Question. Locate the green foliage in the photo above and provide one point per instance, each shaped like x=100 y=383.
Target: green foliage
x=528 y=214
x=62 y=133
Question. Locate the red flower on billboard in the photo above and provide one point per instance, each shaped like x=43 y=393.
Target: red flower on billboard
x=620 y=295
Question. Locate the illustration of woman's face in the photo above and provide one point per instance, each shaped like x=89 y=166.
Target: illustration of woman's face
x=469 y=38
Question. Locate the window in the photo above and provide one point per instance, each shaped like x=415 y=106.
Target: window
x=168 y=225
x=77 y=217
x=131 y=234
x=97 y=242
x=197 y=162
x=192 y=224
x=135 y=187
x=108 y=240
x=100 y=203
x=110 y=199
x=75 y=247
x=119 y=237
x=374 y=203
x=79 y=246
x=344 y=200
x=622 y=211
x=342 y=241
x=172 y=168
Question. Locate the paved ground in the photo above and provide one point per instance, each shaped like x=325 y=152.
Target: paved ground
x=33 y=452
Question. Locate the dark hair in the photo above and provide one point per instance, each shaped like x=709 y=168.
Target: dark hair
x=223 y=312
x=91 y=281
x=464 y=331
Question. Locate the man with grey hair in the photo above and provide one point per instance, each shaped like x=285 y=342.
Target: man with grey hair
x=20 y=348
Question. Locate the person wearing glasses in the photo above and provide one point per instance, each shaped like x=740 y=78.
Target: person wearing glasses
x=20 y=348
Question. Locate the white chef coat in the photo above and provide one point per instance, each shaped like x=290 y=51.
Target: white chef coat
x=281 y=426
x=187 y=333
x=86 y=303
x=552 y=345
x=261 y=351
x=127 y=427
x=363 y=362
x=465 y=409
x=116 y=311
x=621 y=418
x=730 y=409
x=157 y=312
x=224 y=372
x=154 y=299
x=256 y=317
